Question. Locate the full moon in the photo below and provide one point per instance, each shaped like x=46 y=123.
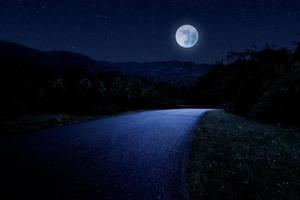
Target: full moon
x=187 y=36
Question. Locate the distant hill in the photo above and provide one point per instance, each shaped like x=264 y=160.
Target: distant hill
x=58 y=60
x=33 y=81
x=174 y=72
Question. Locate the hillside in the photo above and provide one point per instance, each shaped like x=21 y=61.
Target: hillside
x=34 y=82
x=176 y=73
x=173 y=72
x=54 y=60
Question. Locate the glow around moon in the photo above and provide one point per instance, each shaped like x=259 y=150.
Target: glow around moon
x=187 y=36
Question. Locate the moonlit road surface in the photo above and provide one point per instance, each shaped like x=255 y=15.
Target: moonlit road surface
x=132 y=156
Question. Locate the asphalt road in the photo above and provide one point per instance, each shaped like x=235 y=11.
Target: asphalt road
x=131 y=156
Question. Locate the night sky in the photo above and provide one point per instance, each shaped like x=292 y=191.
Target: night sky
x=144 y=30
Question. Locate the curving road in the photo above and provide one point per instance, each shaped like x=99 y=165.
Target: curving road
x=131 y=156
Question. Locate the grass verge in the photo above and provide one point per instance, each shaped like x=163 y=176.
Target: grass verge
x=236 y=158
x=26 y=123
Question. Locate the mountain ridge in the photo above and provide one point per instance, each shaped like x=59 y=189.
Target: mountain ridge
x=176 y=73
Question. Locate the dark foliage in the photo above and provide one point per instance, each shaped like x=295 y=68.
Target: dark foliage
x=175 y=73
x=41 y=82
x=262 y=84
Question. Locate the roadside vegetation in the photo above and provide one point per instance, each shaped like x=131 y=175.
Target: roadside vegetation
x=261 y=84
x=16 y=124
x=236 y=158
x=43 y=89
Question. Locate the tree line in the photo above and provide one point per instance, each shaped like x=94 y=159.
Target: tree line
x=262 y=84
x=31 y=87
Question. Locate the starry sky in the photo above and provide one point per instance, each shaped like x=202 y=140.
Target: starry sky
x=144 y=30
